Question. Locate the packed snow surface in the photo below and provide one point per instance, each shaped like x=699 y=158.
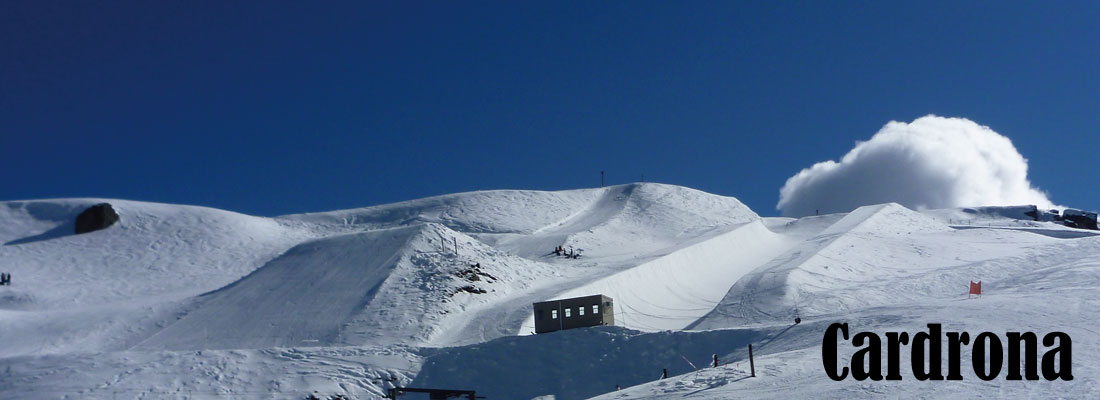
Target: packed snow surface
x=189 y=302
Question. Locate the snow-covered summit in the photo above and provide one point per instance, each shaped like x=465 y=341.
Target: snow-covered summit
x=529 y=211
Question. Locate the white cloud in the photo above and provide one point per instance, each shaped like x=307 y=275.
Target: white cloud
x=932 y=162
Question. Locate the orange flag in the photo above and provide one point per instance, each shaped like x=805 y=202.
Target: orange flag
x=976 y=288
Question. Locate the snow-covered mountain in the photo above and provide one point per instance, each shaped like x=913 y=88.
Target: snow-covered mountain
x=190 y=302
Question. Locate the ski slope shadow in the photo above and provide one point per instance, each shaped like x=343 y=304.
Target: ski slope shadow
x=577 y=363
x=60 y=214
x=65 y=229
x=1054 y=233
x=301 y=298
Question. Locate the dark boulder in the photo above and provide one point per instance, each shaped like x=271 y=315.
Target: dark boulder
x=95 y=218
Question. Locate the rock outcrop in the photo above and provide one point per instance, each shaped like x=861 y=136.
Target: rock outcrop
x=96 y=217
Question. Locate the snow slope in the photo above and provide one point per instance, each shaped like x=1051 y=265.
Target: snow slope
x=384 y=286
x=190 y=302
x=104 y=290
x=673 y=290
x=858 y=261
x=894 y=271
x=1048 y=288
x=154 y=250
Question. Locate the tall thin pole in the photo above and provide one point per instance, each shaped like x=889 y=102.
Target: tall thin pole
x=601 y=178
x=752 y=365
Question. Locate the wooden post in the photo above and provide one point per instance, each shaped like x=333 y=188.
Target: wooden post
x=456 y=245
x=752 y=365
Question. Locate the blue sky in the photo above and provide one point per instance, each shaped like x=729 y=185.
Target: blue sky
x=283 y=107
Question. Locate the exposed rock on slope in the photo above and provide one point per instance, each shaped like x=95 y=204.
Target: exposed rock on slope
x=96 y=217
